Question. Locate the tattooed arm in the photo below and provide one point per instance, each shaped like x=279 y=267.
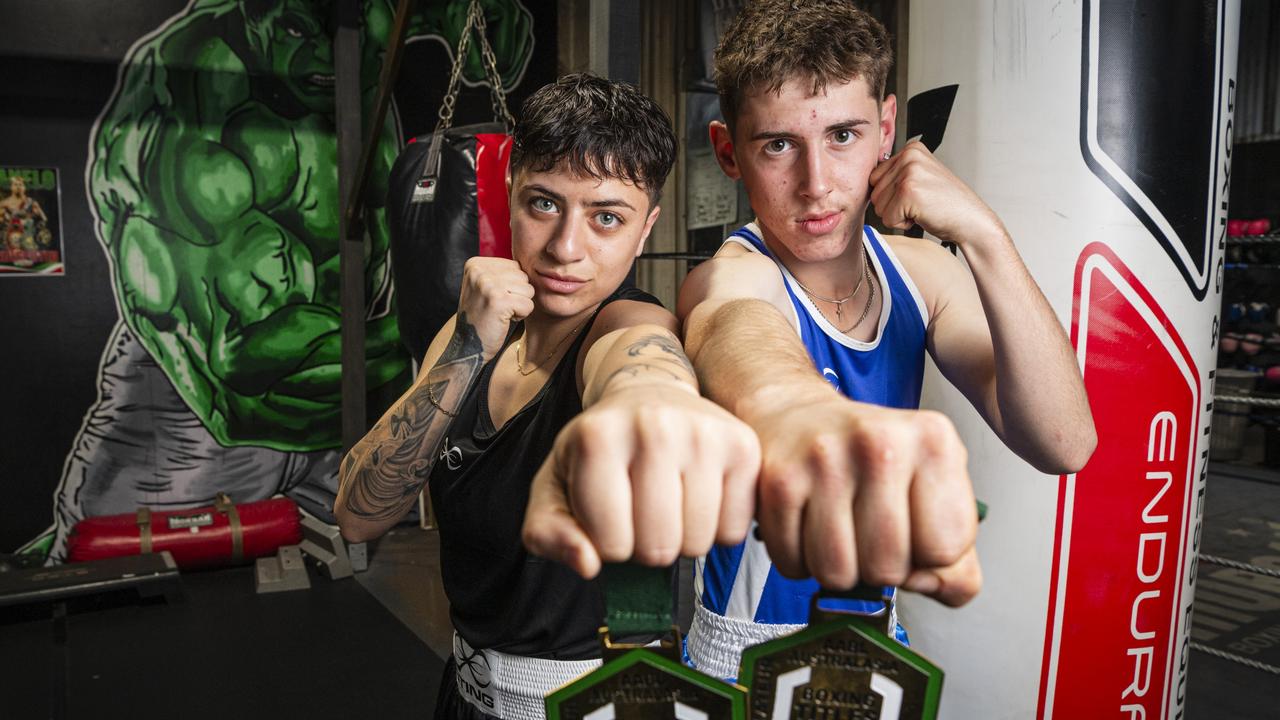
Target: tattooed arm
x=650 y=469
x=381 y=477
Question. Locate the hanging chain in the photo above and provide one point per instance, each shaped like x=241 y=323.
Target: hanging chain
x=475 y=21
x=459 y=60
x=497 y=96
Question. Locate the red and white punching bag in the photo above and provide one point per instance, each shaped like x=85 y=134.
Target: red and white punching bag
x=1100 y=131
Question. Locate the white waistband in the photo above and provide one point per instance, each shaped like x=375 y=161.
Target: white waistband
x=716 y=642
x=512 y=687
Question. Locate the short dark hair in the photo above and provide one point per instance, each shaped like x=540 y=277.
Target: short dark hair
x=597 y=127
x=823 y=41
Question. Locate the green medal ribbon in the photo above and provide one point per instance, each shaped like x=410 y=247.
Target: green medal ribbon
x=637 y=599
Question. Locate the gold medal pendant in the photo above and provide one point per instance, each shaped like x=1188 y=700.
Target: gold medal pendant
x=844 y=666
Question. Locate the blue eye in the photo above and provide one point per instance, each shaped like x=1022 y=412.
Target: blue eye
x=608 y=219
x=542 y=204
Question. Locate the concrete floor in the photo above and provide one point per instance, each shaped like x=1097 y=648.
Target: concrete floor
x=404 y=574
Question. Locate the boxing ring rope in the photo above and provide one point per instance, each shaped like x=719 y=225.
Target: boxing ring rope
x=1268 y=239
x=1247 y=400
x=1235 y=658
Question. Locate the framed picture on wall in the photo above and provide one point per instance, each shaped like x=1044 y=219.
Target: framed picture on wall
x=31 y=243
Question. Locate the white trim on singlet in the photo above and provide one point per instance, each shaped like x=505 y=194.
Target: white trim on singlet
x=906 y=279
x=886 y=306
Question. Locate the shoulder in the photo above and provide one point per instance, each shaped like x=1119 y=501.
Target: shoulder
x=627 y=308
x=735 y=273
x=931 y=267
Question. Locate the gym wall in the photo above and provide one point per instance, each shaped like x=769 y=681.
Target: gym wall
x=190 y=345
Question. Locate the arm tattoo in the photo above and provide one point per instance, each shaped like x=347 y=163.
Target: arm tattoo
x=648 y=352
x=399 y=452
x=669 y=350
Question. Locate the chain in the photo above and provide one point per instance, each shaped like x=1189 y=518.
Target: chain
x=497 y=96
x=459 y=60
x=1237 y=565
x=1236 y=658
x=476 y=22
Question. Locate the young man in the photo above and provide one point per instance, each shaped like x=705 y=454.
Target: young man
x=856 y=484
x=644 y=472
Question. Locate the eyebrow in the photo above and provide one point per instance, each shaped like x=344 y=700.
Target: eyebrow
x=605 y=203
x=780 y=135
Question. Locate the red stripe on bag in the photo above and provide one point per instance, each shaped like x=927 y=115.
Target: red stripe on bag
x=492 y=207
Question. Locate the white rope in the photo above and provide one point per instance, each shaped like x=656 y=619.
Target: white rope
x=1236 y=658
x=1247 y=400
x=1268 y=239
x=1236 y=564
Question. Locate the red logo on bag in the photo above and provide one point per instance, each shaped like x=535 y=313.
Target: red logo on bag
x=1121 y=539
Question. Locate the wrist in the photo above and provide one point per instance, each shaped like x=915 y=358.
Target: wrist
x=758 y=407
x=979 y=237
x=644 y=385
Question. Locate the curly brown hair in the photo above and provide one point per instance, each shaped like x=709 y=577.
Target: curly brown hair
x=823 y=41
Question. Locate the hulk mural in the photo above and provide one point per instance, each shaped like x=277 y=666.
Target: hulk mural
x=212 y=175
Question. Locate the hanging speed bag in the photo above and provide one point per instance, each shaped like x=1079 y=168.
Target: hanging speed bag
x=439 y=215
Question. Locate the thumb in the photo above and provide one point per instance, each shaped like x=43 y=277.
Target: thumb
x=550 y=529
x=953 y=585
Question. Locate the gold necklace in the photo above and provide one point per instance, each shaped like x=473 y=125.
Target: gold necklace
x=520 y=345
x=839 y=303
x=871 y=294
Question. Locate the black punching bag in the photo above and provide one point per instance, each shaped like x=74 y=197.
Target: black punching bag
x=439 y=217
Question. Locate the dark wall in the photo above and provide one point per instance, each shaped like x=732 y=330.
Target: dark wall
x=60 y=61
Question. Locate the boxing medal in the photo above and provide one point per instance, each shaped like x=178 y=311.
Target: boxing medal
x=845 y=666
x=643 y=681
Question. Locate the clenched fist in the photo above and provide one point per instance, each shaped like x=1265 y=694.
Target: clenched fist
x=643 y=476
x=495 y=293
x=852 y=492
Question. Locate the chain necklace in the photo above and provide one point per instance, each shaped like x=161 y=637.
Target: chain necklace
x=871 y=295
x=520 y=345
x=838 y=302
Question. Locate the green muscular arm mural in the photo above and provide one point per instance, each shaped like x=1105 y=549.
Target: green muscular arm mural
x=218 y=208
x=214 y=179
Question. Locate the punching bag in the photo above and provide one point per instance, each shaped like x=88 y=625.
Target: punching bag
x=440 y=216
x=1100 y=132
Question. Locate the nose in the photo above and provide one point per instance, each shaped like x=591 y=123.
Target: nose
x=568 y=244
x=814 y=182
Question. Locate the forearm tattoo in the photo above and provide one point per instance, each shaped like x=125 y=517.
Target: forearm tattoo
x=655 y=353
x=389 y=467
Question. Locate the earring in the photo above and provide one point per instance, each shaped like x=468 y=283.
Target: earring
x=886 y=156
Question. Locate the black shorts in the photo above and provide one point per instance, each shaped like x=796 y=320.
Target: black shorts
x=450 y=705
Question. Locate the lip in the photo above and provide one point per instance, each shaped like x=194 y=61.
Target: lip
x=819 y=223
x=563 y=284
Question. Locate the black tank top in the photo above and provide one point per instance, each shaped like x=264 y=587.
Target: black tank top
x=500 y=596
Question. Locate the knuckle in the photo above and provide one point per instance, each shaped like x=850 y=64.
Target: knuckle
x=946 y=550
x=655 y=555
x=782 y=487
x=884 y=570
x=611 y=550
